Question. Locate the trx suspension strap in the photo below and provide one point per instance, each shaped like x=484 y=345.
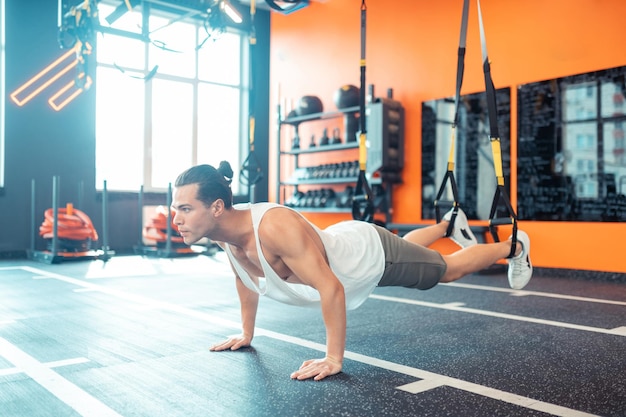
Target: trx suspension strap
x=363 y=199
x=450 y=170
x=251 y=172
x=501 y=193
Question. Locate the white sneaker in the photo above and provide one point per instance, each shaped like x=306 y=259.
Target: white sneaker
x=461 y=233
x=520 y=268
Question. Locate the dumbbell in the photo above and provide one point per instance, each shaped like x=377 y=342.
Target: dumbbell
x=328 y=197
x=345 y=198
x=294 y=201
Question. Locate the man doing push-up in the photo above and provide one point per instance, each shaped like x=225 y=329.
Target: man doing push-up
x=276 y=252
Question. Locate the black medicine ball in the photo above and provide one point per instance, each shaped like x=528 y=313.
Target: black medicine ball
x=347 y=96
x=309 y=105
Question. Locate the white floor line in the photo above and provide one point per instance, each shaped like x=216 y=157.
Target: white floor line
x=66 y=362
x=83 y=290
x=453 y=307
x=522 y=293
x=436 y=379
x=80 y=401
x=620 y=330
x=54 y=364
x=422 y=385
x=430 y=380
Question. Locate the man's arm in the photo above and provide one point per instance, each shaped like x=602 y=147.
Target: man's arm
x=334 y=314
x=290 y=238
x=249 y=301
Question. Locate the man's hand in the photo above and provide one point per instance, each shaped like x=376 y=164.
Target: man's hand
x=232 y=343
x=317 y=369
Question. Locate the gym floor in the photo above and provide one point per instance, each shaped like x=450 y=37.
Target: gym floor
x=130 y=337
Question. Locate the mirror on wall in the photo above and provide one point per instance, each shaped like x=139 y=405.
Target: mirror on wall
x=474 y=170
x=571 y=148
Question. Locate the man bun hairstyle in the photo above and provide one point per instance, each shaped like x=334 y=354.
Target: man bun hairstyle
x=212 y=183
x=226 y=170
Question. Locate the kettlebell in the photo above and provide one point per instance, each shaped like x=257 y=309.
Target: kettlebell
x=336 y=138
x=351 y=125
x=325 y=139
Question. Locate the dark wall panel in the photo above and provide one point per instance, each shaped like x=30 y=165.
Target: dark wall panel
x=42 y=143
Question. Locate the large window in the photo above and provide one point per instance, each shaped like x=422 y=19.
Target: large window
x=166 y=104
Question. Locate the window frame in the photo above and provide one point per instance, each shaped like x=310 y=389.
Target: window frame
x=596 y=118
x=243 y=87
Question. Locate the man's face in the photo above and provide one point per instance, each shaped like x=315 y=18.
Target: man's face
x=193 y=219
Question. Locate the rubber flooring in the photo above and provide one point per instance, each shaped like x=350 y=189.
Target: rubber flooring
x=131 y=337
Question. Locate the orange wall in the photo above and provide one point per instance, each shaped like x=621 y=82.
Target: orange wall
x=411 y=47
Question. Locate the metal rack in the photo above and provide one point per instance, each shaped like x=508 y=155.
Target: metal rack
x=55 y=255
x=167 y=249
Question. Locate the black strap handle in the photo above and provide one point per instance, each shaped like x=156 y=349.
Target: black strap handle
x=501 y=195
x=363 y=198
x=251 y=171
x=449 y=175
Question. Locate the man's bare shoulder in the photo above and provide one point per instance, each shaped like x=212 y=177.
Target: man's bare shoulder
x=280 y=217
x=282 y=224
x=279 y=212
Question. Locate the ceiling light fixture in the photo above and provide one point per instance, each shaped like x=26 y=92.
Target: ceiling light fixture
x=287 y=6
x=231 y=12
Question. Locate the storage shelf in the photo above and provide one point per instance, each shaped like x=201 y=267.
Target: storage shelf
x=342 y=180
x=298 y=179
x=319 y=116
x=323 y=148
x=309 y=178
x=324 y=209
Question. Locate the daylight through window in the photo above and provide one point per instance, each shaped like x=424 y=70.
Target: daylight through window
x=165 y=105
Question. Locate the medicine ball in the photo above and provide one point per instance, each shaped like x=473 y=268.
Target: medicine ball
x=309 y=105
x=292 y=114
x=347 y=96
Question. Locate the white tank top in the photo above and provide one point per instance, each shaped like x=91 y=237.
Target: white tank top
x=354 y=252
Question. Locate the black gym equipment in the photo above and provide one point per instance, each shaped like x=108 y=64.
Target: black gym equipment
x=449 y=175
x=363 y=198
x=501 y=196
x=251 y=172
x=76 y=246
x=77 y=28
x=325 y=140
x=346 y=96
x=167 y=242
x=287 y=6
x=295 y=141
x=385 y=125
x=350 y=126
x=309 y=105
x=336 y=140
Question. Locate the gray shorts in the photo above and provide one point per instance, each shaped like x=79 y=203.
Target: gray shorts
x=409 y=265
